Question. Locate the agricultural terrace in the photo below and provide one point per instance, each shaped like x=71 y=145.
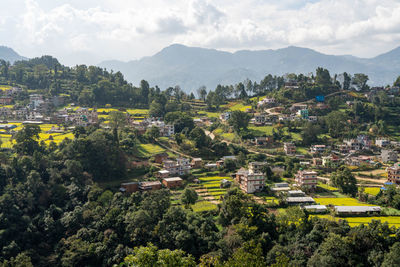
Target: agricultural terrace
x=8 y=142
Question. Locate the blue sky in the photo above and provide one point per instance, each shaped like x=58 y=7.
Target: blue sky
x=89 y=31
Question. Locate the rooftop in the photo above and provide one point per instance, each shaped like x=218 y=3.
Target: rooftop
x=299 y=199
x=173 y=179
x=357 y=208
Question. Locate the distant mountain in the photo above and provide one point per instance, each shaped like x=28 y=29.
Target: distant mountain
x=10 y=55
x=192 y=67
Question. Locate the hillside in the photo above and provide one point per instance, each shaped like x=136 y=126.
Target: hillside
x=191 y=67
x=9 y=54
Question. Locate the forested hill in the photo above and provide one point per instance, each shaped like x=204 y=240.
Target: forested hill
x=9 y=54
x=88 y=86
x=192 y=67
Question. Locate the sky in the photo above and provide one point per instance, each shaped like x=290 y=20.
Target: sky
x=90 y=31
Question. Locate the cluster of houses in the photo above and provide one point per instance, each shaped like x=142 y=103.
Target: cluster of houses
x=35 y=110
x=171 y=182
x=166 y=130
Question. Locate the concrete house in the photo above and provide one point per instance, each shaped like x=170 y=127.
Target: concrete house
x=388 y=155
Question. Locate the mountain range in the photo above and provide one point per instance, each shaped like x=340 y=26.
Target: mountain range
x=8 y=54
x=192 y=67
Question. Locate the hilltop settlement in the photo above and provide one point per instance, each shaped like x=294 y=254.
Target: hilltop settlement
x=96 y=171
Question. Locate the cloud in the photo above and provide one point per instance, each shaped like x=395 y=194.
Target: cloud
x=130 y=29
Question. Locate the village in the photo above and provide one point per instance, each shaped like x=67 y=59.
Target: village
x=307 y=188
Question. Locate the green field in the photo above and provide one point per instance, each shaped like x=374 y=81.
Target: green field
x=203 y=205
x=355 y=221
x=340 y=201
x=239 y=106
x=328 y=187
x=262 y=130
x=372 y=190
x=148 y=150
x=212 y=184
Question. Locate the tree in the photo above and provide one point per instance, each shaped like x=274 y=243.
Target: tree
x=189 y=196
x=150 y=256
x=199 y=137
x=117 y=119
x=239 y=120
x=310 y=133
x=346 y=81
x=323 y=78
x=393 y=257
x=202 y=93
x=397 y=82
x=334 y=251
x=153 y=133
x=27 y=138
x=345 y=181
x=336 y=122
x=360 y=80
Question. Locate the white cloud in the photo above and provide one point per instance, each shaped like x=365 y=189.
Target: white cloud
x=131 y=29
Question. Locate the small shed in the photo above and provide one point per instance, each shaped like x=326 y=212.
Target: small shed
x=296 y=193
x=129 y=187
x=357 y=210
x=173 y=182
x=300 y=200
x=150 y=185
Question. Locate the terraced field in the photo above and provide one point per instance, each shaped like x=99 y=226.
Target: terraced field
x=355 y=221
x=148 y=150
x=340 y=201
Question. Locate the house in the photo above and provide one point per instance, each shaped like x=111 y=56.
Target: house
x=150 y=185
x=296 y=193
x=316 y=208
x=211 y=166
x=290 y=148
x=250 y=182
x=166 y=130
x=318 y=148
x=306 y=179
x=259 y=119
x=160 y=158
x=303 y=113
x=5 y=100
x=179 y=167
x=225 y=183
x=382 y=142
x=266 y=101
x=197 y=163
x=163 y=174
x=394 y=173
x=388 y=155
x=262 y=141
x=256 y=167
x=343 y=148
x=300 y=201
x=225 y=116
x=129 y=187
x=357 y=210
x=332 y=161
x=173 y=182
x=280 y=187
x=353 y=144
x=317 y=161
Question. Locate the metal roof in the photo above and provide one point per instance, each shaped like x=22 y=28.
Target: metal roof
x=173 y=179
x=299 y=199
x=350 y=209
x=316 y=207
